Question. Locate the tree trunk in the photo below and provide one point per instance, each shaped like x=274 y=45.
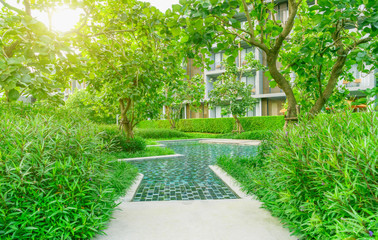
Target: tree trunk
x=125 y=123
x=170 y=118
x=238 y=124
x=337 y=69
x=284 y=85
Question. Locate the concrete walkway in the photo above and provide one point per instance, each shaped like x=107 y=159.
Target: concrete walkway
x=232 y=141
x=237 y=219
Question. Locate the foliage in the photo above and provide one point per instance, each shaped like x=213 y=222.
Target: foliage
x=130 y=58
x=252 y=135
x=370 y=99
x=219 y=125
x=319 y=48
x=234 y=96
x=32 y=59
x=54 y=180
x=321 y=43
x=179 y=92
x=318 y=177
x=89 y=106
x=120 y=142
x=159 y=133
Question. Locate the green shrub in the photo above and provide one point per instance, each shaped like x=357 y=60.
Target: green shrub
x=160 y=133
x=119 y=141
x=88 y=105
x=55 y=183
x=219 y=125
x=132 y=145
x=320 y=178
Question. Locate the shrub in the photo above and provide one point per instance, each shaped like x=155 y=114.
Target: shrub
x=131 y=145
x=320 y=177
x=54 y=181
x=219 y=125
x=84 y=103
x=160 y=133
x=119 y=141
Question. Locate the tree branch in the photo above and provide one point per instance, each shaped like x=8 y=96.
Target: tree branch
x=19 y=11
x=250 y=23
x=293 y=8
x=110 y=32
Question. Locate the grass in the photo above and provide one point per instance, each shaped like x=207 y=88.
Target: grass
x=121 y=176
x=148 y=152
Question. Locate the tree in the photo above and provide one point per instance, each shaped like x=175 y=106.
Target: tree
x=32 y=58
x=130 y=58
x=179 y=92
x=323 y=48
x=233 y=95
x=215 y=21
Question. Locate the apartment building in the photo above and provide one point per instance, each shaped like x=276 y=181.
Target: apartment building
x=270 y=100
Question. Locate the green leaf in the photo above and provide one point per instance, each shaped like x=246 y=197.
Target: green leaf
x=13 y=95
x=272 y=84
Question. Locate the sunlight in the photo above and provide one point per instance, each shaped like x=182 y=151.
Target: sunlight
x=64 y=20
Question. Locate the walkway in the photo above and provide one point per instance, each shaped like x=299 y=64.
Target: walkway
x=236 y=219
x=225 y=219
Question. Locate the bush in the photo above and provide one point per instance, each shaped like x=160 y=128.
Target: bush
x=119 y=140
x=131 y=145
x=219 y=125
x=54 y=180
x=160 y=133
x=320 y=177
x=84 y=103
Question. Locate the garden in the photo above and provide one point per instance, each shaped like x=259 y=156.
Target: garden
x=118 y=84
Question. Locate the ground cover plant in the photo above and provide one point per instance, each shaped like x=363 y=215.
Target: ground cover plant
x=55 y=181
x=319 y=178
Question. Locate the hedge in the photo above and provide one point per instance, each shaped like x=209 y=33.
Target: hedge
x=219 y=125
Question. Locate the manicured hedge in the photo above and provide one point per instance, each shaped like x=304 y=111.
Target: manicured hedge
x=219 y=125
x=159 y=133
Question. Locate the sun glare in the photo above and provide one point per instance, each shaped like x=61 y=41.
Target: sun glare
x=65 y=19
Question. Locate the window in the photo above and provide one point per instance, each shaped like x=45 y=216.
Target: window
x=218 y=61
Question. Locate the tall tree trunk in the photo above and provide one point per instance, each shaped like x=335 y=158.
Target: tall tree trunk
x=239 y=127
x=284 y=85
x=170 y=118
x=125 y=123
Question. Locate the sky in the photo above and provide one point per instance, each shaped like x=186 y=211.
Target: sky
x=64 y=19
